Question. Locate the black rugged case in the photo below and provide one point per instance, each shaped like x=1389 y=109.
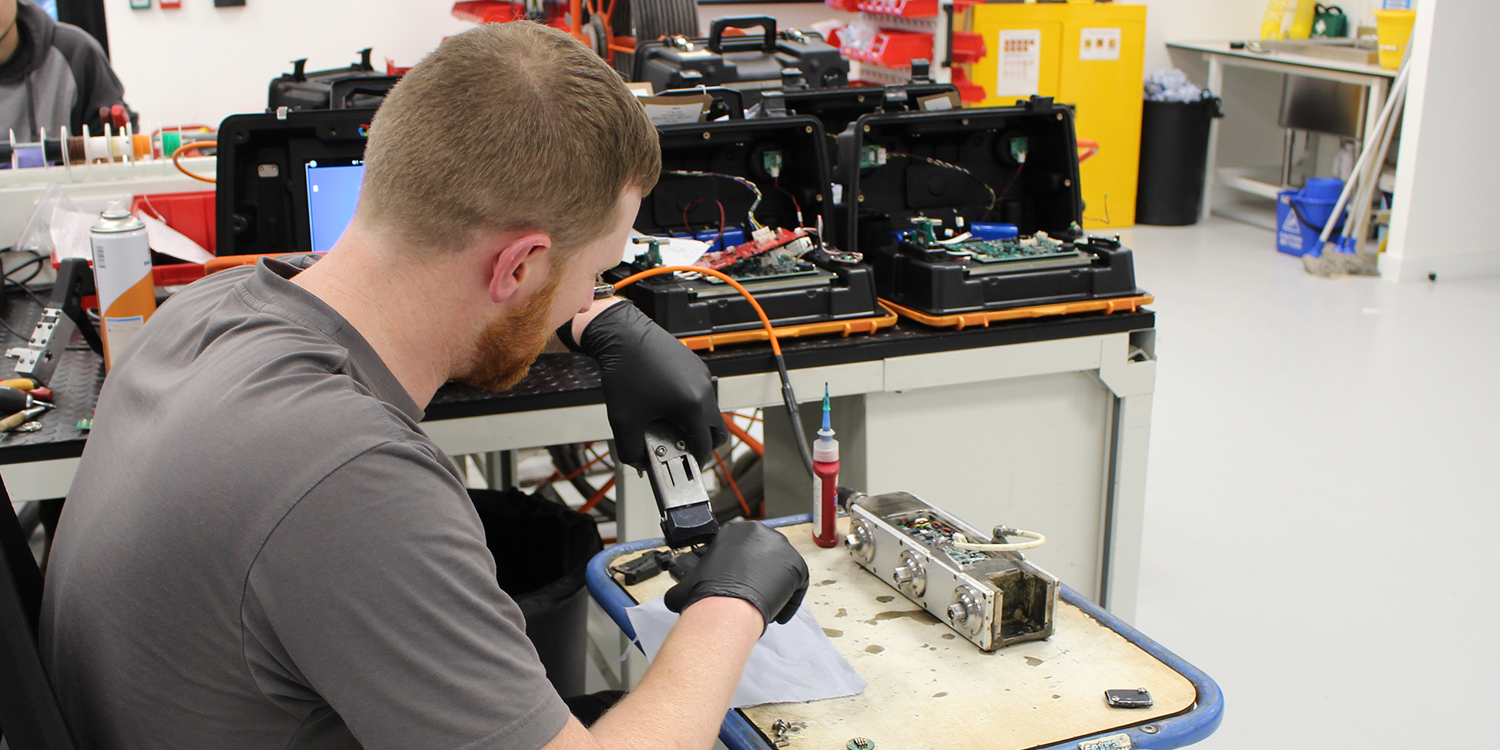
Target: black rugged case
x=748 y=63
x=262 y=187
x=1042 y=196
x=737 y=147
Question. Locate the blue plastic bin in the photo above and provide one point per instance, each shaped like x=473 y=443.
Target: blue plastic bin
x=1314 y=203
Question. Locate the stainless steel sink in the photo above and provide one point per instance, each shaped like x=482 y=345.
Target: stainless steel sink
x=1341 y=50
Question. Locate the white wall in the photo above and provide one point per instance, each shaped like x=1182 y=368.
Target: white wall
x=201 y=64
x=1218 y=20
x=1444 y=201
x=1196 y=20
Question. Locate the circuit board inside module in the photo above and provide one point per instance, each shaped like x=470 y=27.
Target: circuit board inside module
x=922 y=240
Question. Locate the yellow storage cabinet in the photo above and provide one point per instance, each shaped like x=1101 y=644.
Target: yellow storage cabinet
x=1088 y=56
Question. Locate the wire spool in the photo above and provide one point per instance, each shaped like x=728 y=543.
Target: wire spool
x=29 y=157
x=77 y=148
x=95 y=149
x=598 y=36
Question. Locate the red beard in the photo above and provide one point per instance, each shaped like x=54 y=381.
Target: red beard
x=507 y=347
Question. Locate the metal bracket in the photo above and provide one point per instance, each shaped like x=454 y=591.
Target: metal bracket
x=38 y=360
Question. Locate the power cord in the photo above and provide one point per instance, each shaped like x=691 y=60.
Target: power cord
x=186 y=147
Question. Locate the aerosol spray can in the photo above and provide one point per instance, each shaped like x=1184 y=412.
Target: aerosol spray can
x=122 y=276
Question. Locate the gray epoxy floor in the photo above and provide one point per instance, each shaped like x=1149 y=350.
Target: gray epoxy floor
x=1323 y=511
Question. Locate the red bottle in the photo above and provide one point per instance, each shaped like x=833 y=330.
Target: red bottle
x=825 y=482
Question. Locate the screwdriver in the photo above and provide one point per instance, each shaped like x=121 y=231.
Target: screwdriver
x=21 y=417
x=12 y=400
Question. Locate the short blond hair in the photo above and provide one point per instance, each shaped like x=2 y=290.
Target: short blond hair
x=507 y=127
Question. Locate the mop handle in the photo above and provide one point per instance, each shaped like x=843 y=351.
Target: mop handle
x=1367 y=153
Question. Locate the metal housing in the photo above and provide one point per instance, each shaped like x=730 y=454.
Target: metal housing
x=993 y=599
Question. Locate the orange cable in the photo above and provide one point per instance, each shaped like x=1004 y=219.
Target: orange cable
x=586 y=466
x=598 y=495
x=184 y=148
x=786 y=384
x=765 y=321
x=745 y=437
x=1088 y=147
x=729 y=480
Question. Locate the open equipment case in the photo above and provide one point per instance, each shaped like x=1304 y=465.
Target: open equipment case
x=977 y=211
x=262 y=200
x=725 y=164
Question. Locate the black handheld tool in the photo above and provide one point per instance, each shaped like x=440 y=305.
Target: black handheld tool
x=13 y=400
x=686 y=517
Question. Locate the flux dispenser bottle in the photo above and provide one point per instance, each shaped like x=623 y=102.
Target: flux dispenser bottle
x=825 y=481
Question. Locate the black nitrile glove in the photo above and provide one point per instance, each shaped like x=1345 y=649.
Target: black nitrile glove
x=749 y=561
x=649 y=375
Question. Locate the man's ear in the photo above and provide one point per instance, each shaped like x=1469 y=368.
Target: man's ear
x=515 y=262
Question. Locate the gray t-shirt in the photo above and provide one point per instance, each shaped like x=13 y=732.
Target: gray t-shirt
x=262 y=549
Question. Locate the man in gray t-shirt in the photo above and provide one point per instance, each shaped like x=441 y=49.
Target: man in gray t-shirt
x=262 y=549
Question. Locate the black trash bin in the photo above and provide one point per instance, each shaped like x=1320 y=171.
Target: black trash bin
x=542 y=551
x=1174 y=154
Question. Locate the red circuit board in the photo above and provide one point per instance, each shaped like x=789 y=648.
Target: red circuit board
x=725 y=258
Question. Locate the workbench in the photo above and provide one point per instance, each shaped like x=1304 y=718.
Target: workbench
x=929 y=688
x=1221 y=55
x=1041 y=423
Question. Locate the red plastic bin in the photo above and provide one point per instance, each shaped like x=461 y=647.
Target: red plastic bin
x=901 y=8
x=968 y=91
x=968 y=47
x=893 y=49
x=489 y=11
x=193 y=214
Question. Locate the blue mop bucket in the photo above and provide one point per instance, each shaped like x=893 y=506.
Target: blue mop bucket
x=1301 y=215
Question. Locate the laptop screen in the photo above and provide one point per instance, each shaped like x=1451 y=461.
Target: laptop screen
x=332 y=193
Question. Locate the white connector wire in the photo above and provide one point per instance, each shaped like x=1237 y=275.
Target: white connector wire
x=962 y=542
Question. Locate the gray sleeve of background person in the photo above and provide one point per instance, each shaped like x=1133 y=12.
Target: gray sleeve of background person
x=98 y=86
x=377 y=595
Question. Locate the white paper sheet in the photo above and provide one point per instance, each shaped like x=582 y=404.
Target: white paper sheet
x=676 y=251
x=169 y=241
x=791 y=663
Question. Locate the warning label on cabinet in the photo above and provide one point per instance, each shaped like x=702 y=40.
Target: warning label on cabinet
x=1099 y=44
x=1019 y=63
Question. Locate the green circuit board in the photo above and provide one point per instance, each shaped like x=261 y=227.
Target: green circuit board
x=999 y=251
x=1039 y=246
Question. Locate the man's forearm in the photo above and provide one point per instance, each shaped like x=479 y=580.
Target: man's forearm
x=682 y=699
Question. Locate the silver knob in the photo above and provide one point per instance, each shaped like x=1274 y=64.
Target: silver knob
x=902 y=574
x=957 y=612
